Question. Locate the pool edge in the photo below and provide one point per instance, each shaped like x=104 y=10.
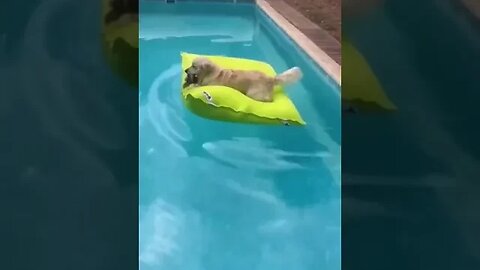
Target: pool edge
x=320 y=57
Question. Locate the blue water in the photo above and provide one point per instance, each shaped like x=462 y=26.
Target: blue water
x=217 y=195
x=68 y=146
x=416 y=192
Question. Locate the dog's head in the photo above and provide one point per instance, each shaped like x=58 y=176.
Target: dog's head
x=202 y=67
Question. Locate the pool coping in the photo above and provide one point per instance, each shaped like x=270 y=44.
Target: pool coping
x=302 y=39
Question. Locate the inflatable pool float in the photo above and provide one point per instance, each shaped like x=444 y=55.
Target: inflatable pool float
x=120 y=38
x=227 y=104
x=362 y=90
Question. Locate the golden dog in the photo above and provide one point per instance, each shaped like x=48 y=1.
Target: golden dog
x=254 y=84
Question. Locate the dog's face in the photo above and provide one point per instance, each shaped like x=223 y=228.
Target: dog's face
x=202 y=67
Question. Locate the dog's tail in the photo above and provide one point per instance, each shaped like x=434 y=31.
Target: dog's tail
x=288 y=77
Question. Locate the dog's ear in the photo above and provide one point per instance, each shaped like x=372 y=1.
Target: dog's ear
x=204 y=65
x=201 y=62
x=207 y=65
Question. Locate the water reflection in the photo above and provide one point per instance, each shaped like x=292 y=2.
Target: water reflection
x=255 y=153
x=170 y=237
x=163 y=117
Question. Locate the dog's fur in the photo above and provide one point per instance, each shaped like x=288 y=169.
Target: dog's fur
x=254 y=84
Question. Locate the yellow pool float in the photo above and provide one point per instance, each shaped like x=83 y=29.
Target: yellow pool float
x=120 y=42
x=227 y=104
x=362 y=89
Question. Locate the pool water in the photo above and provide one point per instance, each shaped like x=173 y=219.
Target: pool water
x=218 y=195
x=424 y=156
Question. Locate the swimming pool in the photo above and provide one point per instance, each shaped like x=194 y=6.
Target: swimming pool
x=405 y=194
x=217 y=195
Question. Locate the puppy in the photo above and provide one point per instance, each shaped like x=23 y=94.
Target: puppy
x=191 y=78
x=254 y=84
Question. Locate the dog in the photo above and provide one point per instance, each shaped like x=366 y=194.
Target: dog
x=253 y=84
x=190 y=79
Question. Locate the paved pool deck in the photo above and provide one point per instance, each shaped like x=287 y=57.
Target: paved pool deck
x=324 y=49
x=319 y=36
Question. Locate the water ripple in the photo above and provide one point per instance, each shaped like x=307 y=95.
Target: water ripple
x=57 y=79
x=256 y=153
x=166 y=121
x=170 y=237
